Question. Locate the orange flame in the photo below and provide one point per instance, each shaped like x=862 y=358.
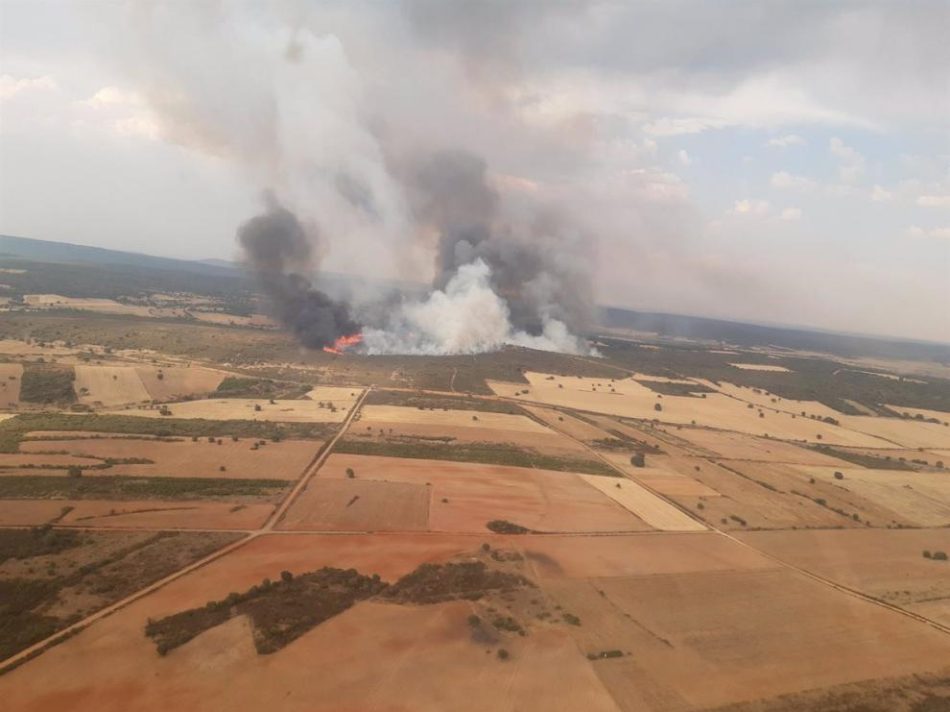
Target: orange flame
x=343 y=343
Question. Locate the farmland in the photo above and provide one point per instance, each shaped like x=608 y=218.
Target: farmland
x=188 y=501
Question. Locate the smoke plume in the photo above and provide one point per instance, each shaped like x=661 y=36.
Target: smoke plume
x=310 y=116
x=279 y=253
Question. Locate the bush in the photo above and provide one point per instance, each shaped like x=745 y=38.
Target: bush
x=657 y=407
x=74 y=471
x=502 y=654
x=638 y=460
x=839 y=475
x=350 y=473
x=939 y=556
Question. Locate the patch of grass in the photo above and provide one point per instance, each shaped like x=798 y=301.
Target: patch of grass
x=12 y=430
x=427 y=401
x=689 y=390
x=37 y=541
x=246 y=387
x=47 y=384
x=469 y=580
x=24 y=602
x=130 y=488
x=502 y=526
x=280 y=611
x=482 y=453
x=872 y=462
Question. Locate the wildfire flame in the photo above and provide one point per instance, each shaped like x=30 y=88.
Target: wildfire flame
x=343 y=343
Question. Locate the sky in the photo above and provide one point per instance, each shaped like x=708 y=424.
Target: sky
x=780 y=162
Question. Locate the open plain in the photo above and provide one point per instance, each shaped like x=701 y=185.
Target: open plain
x=393 y=534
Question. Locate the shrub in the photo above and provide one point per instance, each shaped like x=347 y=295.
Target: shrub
x=74 y=471
x=638 y=460
x=257 y=407
x=502 y=654
x=657 y=407
x=350 y=473
x=286 y=576
x=939 y=556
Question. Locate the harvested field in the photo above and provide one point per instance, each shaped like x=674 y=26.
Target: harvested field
x=547 y=443
x=458 y=418
x=924 y=413
x=848 y=505
x=284 y=460
x=738 y=446
x=109 y=385
x=719 y=638
x=10 y=375
x=359 y=505
x=772 y=402
x=763 y=497
x=484 y=453
x=886 y=564
x=282 y=411
x=898 y=431
x=663 y=480
x=921 y=498
x=145 y=514
x=475 y=494
x=654 y=553
x=573 y=427
x=760 y=367
x=632 y=400
x=339 y=396
x=653 y=510
x=170 y=383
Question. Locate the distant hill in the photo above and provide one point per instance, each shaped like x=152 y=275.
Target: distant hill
x=65 y=253
x=744 y=334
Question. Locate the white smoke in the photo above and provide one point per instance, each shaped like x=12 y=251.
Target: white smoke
x=467 y=317
x=304 y=111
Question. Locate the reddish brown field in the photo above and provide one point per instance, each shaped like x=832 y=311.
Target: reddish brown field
x=886 y=564
x=638 y=555
x=146 y=514
x=359 y=505
x=541 y=500
x=284 y=460
x=700 y=640
x=374 y=656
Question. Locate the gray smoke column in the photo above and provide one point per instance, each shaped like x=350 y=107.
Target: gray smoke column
x=539 y=264
x=280 y=254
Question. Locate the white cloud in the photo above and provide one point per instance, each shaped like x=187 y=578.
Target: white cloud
x=786 y=141
x=785 y=180
x=940 y=233
x=683 y=157
x=11 y=86
x=934 y=201
x=750 y=207
x=112 y=96
x=790 y=214
x=851 y=161
x=880 y=194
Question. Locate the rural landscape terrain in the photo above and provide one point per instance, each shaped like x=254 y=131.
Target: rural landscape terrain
x=198 y=513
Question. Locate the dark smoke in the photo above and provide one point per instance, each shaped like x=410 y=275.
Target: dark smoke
x=535 y=262
x=280 y=254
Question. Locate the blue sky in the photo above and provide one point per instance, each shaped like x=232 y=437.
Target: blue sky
x=777 y=162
